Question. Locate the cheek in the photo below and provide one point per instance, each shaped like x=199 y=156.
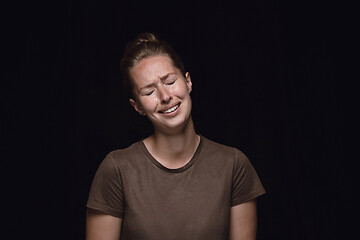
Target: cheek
x=180 y=90
x=149 y=103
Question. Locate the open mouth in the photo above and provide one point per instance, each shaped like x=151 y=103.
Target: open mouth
x=170 y=110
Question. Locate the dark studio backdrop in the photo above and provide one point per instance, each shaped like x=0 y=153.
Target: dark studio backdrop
x=265 y=80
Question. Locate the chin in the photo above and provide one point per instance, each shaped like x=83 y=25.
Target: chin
x=175 y=126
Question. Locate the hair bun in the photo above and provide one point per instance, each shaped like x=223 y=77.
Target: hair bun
x=145 y=37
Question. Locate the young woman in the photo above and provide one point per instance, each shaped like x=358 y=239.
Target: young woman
x=174 y=184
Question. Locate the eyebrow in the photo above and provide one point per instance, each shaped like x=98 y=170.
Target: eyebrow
x=165 y=76
x=147 y=86
x=162 y=78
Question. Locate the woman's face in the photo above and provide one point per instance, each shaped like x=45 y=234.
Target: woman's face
x=161 y=93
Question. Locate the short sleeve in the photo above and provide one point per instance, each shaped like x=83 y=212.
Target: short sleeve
x=246 y=183
x=106 y=192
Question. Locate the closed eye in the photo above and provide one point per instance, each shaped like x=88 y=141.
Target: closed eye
x=149 y=93
x=170 y=80
x=170 y=83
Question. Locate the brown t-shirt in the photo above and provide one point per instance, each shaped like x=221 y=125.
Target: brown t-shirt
x=191 y=202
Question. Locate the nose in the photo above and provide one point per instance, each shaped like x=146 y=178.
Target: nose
x=164 y=94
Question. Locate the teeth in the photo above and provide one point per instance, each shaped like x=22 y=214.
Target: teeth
x=171 y=109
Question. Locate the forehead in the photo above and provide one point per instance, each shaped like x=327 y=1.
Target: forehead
x=151 y=69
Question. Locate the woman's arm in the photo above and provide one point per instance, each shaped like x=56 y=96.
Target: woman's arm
x=101 y=226
x=243 y=221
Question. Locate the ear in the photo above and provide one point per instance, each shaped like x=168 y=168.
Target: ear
x=188 y=81
x=136 y=106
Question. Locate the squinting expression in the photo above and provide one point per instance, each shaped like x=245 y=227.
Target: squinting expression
x=161 y=93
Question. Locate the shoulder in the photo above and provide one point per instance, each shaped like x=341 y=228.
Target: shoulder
x=215 y=149
x=120 y=158
x=125 y=153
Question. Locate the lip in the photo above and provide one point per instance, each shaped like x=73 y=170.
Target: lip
x=171 y=113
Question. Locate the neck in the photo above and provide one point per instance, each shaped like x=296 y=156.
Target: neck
x=176 y=149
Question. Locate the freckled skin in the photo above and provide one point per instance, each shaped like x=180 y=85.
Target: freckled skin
x=163 y=93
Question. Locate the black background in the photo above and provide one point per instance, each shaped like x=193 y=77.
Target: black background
x=266 y=79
